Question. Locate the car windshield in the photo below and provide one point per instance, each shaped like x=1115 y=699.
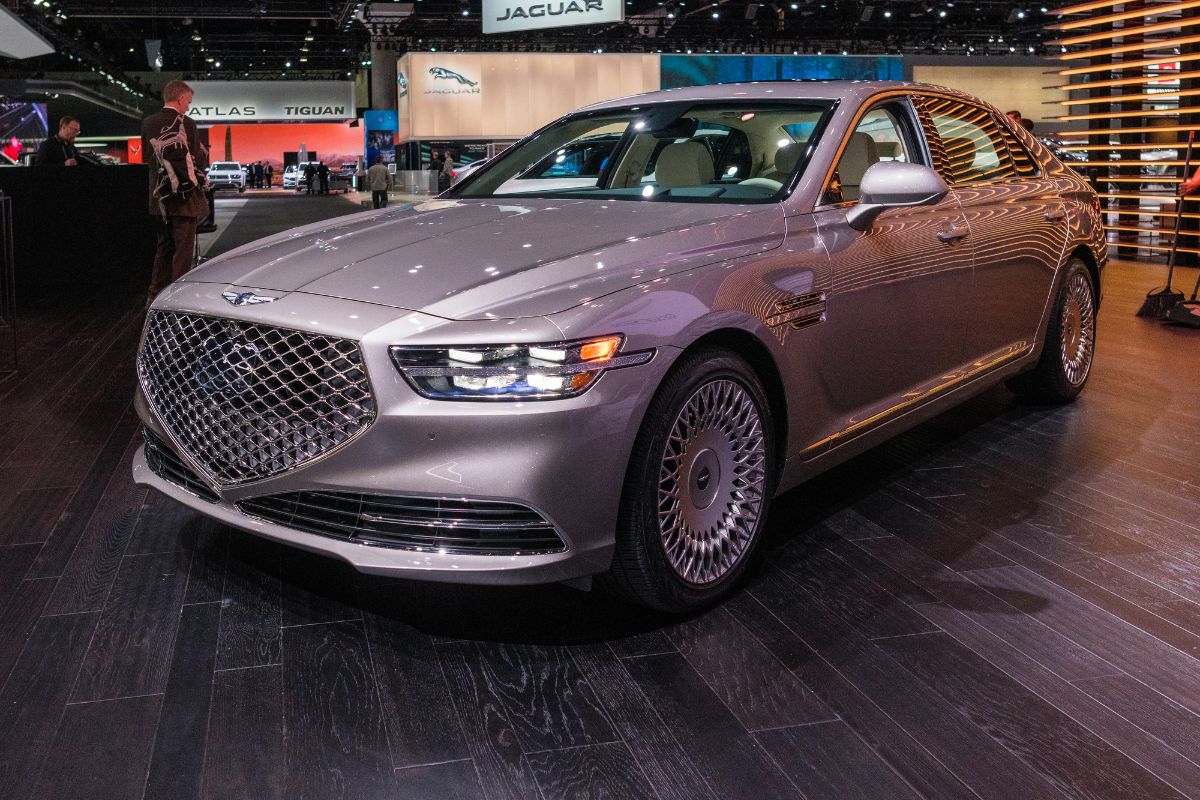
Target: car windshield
x=226 y=165
x=670 y=152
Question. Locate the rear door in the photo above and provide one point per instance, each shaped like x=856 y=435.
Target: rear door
x=1018 y=222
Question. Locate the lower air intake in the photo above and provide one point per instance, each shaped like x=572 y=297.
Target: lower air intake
x=168 y=466
x=461 y=527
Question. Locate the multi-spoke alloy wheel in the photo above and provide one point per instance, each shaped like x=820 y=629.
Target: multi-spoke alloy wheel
x=711 y=482
x=1070 y=342
x=698 y=487
x=1078 y=329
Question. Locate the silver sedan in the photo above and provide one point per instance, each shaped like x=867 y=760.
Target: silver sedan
x=605 y=351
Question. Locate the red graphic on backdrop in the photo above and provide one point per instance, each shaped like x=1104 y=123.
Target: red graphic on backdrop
x=13 y=148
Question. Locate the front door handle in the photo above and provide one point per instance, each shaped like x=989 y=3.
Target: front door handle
x=954 y=233
x=1056 y=214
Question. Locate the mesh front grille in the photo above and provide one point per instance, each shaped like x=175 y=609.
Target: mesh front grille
x=249 y=401
x=459 y=526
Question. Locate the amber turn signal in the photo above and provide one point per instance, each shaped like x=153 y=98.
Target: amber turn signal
x=600 y=350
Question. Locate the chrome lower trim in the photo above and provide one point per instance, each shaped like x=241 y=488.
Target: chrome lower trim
x=919 y=396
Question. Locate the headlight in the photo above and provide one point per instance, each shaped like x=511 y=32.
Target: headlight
x=514 y=371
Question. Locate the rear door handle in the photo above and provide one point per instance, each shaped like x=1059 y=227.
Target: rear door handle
x=1056 y=214
x=955 y=233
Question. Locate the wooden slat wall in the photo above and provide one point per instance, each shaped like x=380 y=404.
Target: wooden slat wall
x=1132 y=71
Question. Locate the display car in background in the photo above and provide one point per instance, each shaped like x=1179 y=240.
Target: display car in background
x=293 y=175
x=465 y=171
x=530 y=381
x=226 y=175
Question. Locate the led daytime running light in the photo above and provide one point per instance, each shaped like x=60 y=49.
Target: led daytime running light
x=512 y=372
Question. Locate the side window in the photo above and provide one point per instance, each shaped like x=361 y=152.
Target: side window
x=973 y=141
x=879 y=136
x=731 y=154
x=1022 y=162
x=583 y=159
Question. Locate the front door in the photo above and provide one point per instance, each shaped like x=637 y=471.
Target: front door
x=898 y=302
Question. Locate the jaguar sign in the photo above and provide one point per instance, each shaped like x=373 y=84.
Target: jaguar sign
x=454 y=82
x=502 y=16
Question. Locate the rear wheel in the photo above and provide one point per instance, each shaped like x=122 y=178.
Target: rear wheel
x=698 y=486
x=1070 y=344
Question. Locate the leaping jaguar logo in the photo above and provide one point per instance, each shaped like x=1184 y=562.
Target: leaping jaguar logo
x=445 y=74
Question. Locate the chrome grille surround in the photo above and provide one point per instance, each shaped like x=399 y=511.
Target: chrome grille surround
x=248 y=401
x=459 y=526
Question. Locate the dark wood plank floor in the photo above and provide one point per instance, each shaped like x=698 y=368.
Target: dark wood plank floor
x=1003 y=603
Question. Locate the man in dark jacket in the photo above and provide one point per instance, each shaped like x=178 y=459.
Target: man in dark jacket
x=310 y=174
x=177 y=208
x=323 y=177
x=59 y=150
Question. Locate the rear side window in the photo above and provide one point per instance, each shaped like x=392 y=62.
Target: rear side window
x=1023 y=163
x=973 y=142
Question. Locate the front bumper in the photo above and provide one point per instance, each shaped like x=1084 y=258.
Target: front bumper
x=565 y=459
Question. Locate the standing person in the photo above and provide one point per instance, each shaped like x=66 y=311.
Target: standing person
x=1189 y=185
x=309 y=174
x=436 y=168
x=447 y=173
x=380 y=180
x=59 y=150
x=176 y=161
x=323 y=176
x=270 y=174
x=259 y=172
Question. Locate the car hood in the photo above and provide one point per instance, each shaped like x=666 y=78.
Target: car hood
x=496 y=258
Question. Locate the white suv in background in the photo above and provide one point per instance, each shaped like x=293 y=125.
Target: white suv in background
x=293 y=176
x=226 y=175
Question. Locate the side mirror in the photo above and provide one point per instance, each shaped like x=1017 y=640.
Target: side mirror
x=894 y=184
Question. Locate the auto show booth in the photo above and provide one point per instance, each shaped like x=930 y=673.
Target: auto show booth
x=475 y=104
x=281 y=123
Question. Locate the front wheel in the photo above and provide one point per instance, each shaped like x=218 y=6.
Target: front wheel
x=1070 y=344
x=699 y=482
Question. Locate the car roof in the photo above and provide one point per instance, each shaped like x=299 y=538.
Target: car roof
x=856 y=91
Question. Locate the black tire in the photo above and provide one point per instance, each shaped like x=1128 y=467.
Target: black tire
x=1070 y=345
x=711 y=412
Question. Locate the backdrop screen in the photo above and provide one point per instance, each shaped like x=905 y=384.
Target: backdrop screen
x=22 y=127
x=676 y=71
